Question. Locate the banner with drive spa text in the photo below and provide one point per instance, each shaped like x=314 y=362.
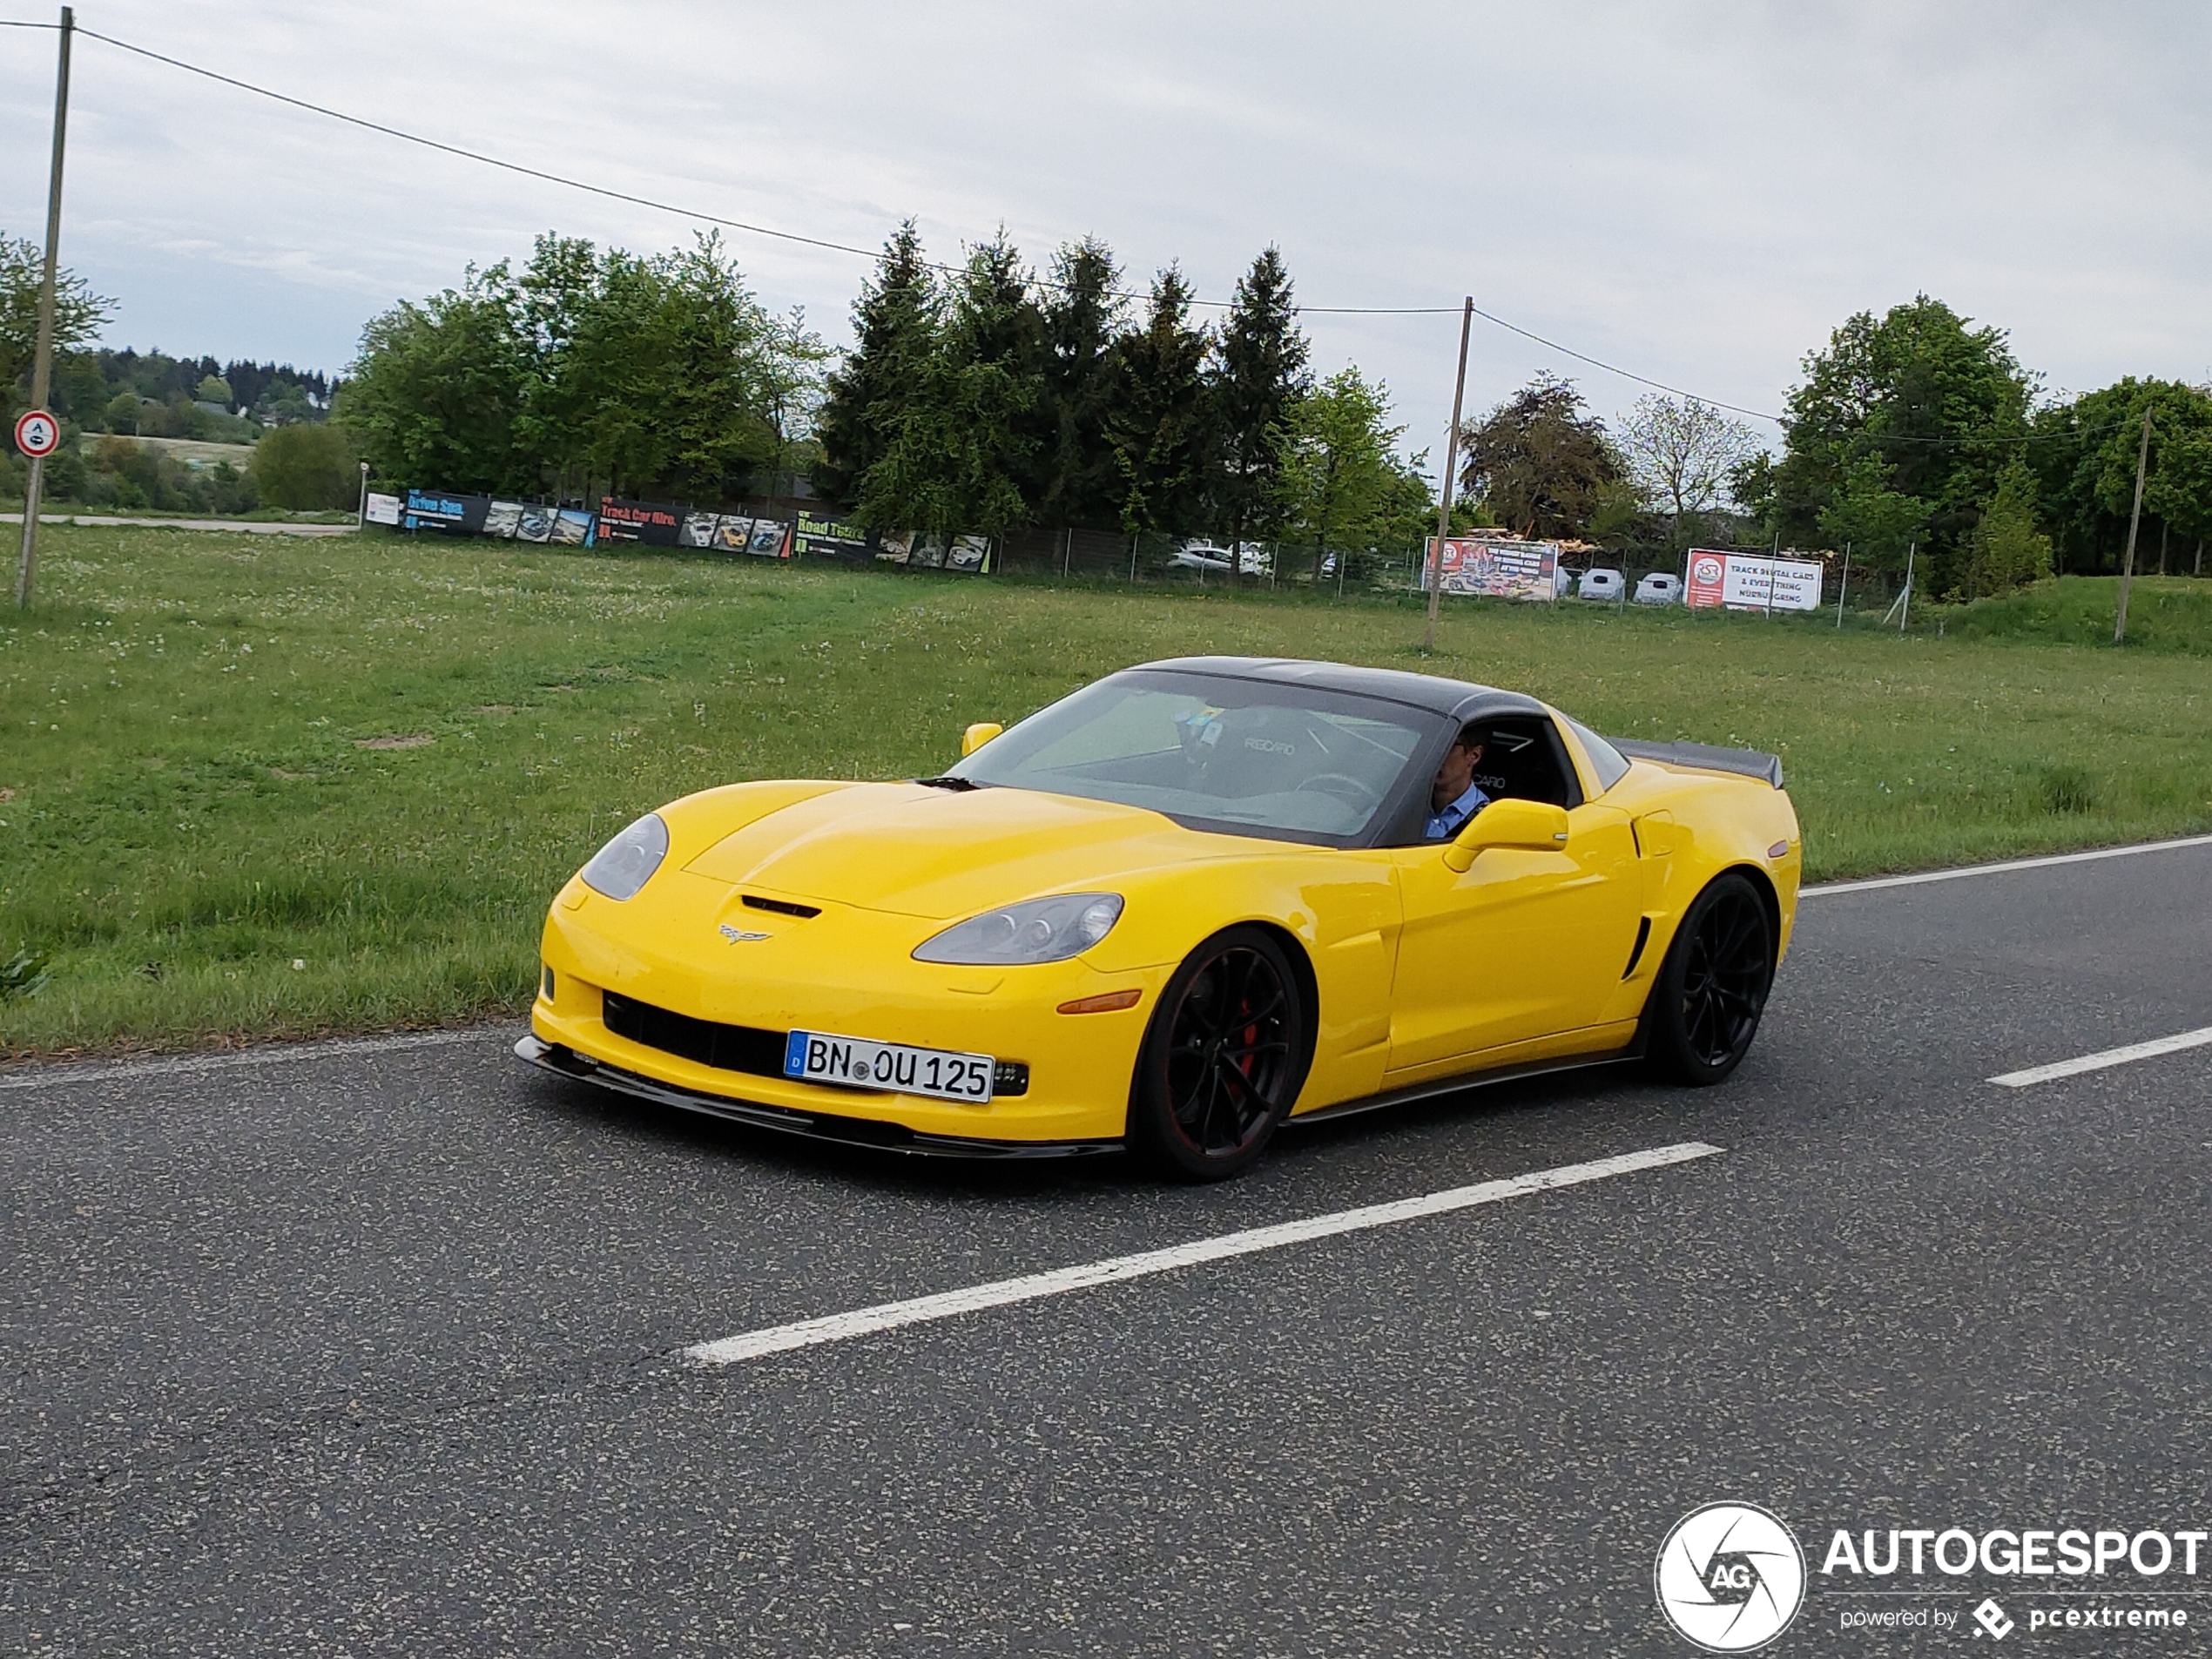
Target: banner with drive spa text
x=1752 y=582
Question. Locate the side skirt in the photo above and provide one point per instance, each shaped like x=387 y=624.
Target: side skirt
x=818 y=1126
x=1437 y=1086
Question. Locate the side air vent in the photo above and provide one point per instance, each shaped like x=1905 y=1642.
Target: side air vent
x=782 y=907
x=1643 y=938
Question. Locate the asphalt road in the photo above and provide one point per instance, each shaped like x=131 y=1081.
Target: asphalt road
x=370 y=1349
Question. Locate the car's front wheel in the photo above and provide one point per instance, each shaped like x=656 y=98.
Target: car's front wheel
x=1706 y=1004
x=1223 y=1058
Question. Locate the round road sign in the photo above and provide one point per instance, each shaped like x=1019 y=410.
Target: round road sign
x=37 y=434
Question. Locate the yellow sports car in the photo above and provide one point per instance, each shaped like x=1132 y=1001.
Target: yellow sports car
x=1170 y=912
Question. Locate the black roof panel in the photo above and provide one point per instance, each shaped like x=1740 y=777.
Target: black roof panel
x=1430 y=692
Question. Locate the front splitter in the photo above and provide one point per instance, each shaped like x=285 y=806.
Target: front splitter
x=565 y=1061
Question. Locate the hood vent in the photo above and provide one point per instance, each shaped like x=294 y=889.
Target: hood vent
x=782 y=907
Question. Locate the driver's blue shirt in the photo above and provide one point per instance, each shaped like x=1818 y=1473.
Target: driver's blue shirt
x=1444 y=825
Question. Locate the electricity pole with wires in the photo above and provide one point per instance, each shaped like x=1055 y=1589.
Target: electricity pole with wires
x=43 y=364
x=2135 y=518
x=1451 y=466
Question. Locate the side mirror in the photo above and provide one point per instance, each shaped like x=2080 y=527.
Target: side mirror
x=977 y=735
x=1530 y=825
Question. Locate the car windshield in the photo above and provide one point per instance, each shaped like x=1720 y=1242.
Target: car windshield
x=1245 y=756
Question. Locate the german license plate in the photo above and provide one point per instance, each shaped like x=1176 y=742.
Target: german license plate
x=856 y=1062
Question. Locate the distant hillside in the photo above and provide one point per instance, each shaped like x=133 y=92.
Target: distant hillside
x=154 y=395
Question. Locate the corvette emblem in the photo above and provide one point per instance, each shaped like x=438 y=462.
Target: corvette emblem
x=736 y=938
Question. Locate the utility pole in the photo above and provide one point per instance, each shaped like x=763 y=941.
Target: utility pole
x=43 y=364
x=1451 y=466
x=2135 y=518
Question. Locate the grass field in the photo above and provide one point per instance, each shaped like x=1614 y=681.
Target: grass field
x=256 y=785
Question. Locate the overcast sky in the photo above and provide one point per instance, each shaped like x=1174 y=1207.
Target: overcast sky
x=1697 y=191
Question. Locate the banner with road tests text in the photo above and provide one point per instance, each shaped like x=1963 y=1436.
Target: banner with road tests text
x=1751 y=581
x=1493 y=569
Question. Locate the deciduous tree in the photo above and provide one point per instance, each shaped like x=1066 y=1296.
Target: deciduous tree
x=1682 y=454
x=1938 y=404
x=78 y=312
x=1539 y=463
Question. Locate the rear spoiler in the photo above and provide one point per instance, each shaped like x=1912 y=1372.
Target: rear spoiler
x=1703 y=757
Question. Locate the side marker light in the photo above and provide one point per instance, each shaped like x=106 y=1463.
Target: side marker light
x=1105 y=1003
x=1779 y=850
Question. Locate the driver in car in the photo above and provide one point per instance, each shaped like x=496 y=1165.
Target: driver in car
x=1455 y=797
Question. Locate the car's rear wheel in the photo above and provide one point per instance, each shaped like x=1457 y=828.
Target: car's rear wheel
x=1711 y=990
x=1223 y=1058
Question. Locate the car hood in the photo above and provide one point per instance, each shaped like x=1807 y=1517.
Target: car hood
x=944 y=855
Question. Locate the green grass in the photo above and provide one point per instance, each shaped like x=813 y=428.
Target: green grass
x=195 y=800
x=2164 y=614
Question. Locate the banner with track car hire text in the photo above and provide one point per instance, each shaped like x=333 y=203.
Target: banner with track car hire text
x=1493 y=569
x=1752 y=582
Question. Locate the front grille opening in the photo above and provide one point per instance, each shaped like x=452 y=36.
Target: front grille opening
x=747 y=1048
x=726 y=1048
x=781 y=907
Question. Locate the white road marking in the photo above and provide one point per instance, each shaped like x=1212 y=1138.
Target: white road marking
x=2106 y=1057
x=36 y=1076
x=1825 y=888
x=890 y=1316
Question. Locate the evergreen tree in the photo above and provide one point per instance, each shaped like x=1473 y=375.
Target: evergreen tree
x=965 y=439
x=1157 y=421
x=1076 y=481
x=895 y=323
x=1259 y=376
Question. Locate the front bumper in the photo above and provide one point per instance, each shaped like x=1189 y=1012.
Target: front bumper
x=819 y=1126
x=842 y=971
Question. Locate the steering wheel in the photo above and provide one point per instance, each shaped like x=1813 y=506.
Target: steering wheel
x=1345 y=786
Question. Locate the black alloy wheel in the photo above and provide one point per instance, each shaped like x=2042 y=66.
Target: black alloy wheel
x=1223 y=1059
x=1713 y=989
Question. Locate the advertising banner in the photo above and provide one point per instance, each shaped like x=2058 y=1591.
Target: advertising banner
x=1493 y=570
x=931 y=550
x=652 y=524
x=383 y=509
x=820 y=537
x=1752 y=582
x=433 y=509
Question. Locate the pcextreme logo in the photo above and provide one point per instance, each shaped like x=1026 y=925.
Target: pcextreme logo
x=1729 y=1577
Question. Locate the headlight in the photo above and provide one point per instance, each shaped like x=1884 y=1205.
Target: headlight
x=626 y=863
x=1043 y=930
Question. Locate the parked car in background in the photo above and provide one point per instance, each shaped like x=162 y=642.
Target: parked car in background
x=1601 y=585
x=1659 y=588
x=1208 y=558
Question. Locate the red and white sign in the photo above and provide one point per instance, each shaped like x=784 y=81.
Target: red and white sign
x=1752 y=582
x=37 y=434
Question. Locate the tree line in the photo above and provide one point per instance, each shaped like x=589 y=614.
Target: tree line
x=985 y=397
x=988 y=398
